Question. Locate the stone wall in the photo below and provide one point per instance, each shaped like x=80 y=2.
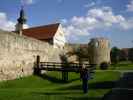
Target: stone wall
x=18 y=55
x=99 y=51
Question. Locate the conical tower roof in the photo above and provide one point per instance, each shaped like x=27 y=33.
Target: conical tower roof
x=22 y=17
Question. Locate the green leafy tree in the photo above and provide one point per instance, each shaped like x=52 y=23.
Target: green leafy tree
x=130 y=54
x=64 y=65
x=82 y=53
x=124 y=55
x=115 y=55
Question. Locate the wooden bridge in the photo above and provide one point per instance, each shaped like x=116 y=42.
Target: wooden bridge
x=62 y=67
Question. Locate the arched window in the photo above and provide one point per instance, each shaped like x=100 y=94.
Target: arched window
x=96 y=44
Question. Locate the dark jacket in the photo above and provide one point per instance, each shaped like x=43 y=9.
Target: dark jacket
x=84 y=74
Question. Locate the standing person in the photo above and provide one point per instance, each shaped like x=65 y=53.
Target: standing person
x=84 y=75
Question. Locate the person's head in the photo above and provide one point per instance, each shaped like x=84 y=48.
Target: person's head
x=83 y=66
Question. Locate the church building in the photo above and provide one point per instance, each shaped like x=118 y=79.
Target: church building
x=52 y=33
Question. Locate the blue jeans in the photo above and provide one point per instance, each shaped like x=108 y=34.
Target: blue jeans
x=85 y=85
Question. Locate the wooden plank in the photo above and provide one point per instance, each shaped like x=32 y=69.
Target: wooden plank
x=61 y=64
x=57 y=63
x=63 y=69
x=60 y=69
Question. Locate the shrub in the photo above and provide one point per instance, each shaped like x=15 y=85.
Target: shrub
x=104 y=65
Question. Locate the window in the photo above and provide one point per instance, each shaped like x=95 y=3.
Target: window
x=96 y=44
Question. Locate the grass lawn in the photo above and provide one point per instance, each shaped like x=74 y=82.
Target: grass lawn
x=50 y=87
x=122 y=66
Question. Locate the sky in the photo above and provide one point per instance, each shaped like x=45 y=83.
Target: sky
x=81 y=19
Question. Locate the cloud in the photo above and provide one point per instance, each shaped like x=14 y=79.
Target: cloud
x=130 y=6
x=96 y=19
x=25 y=26
x=90 y=4
x=63 y=21
x=127 y=24
x=27 y=2
x=6 y=24
x=105 y=16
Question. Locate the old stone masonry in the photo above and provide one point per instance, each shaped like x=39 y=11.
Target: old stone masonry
x=18 y=55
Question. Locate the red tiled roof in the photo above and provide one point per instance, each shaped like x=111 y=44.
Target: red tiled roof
x=42 y=32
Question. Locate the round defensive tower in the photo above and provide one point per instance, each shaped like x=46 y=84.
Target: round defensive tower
x=99 y=50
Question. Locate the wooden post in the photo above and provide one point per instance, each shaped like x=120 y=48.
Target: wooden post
x=65 y=73
x=37 y=70
x=38 y=61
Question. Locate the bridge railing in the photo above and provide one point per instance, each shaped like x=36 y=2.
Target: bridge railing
x=70 y=67
x=61 y=64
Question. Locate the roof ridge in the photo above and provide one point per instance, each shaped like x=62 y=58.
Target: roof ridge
x=47 y=25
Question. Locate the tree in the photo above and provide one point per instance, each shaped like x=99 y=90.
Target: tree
x=130 y=54
x=64 y=65
x=82 y=53
x=124 y=54
x=115 y=55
